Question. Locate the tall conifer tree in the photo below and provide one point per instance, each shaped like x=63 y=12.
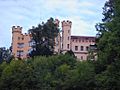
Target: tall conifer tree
x=43 y=37
x=108 y=41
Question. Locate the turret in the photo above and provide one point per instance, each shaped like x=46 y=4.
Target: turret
x=66 y=35
x=57 y=46
x=57 y=22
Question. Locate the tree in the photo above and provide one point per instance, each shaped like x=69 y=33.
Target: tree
x=43 y=37
x=5 y=54
x=109 y=34
x=71 y=53
x=108 y=42
x=80 y=78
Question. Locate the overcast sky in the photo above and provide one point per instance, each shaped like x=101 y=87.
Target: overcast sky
x=84 y=14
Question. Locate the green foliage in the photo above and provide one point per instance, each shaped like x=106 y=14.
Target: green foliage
x=70 y=53
x=5 y=54
x=82 y=77
x=16 y=75
x=43 y=37
x=109 y=41
x=107 y=66
x=110 y=78
x=39 y=73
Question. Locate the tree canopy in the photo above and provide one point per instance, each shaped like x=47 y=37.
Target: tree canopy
x=43 y=38
x=109 y=33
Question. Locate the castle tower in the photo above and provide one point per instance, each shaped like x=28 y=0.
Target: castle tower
x=20 y=43
x=57 y=47
x=66 y=35
x=16 y=32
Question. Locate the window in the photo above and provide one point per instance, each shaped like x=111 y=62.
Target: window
x=22 y=38
x=93 y=40
x=76 y=48
x=68 y=37
x=20 y=53
x=87 y=48
x=76 y=40
x=81 y=57
x=81 y=48
x=82 y=40
x=68 y=46
x=18 y=38
x=86 y=39
x=20 y=45
x=68 y=31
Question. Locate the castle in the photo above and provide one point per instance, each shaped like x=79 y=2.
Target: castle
x=21 y=43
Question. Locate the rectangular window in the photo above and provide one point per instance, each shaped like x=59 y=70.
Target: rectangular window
x=87 y=48
x=22 y=38
x=68 y=31
x=81 y=57
x=82 y=40
x=68 y=37
x=76 y=48
x=68 y=46
x=18 y=38
x=76 y=40
x=93 y=40
x=81 y=48
x=20 y=53
x=20 y=45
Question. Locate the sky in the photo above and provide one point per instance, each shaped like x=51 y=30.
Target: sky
x=84 y=14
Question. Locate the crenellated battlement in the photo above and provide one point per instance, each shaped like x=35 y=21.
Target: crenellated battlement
x=17 y=29
x=66 y=23
x=57 y=22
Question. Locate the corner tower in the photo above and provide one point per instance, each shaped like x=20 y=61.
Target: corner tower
x=66 y=35
x=16 y=32
x=20 y=43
